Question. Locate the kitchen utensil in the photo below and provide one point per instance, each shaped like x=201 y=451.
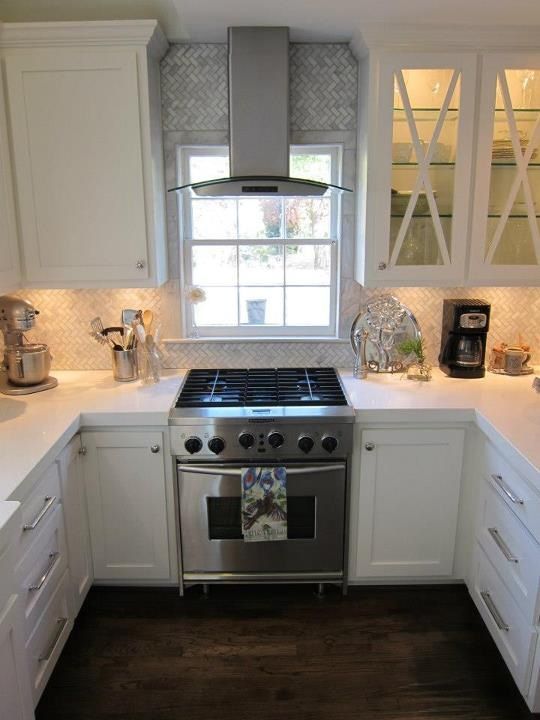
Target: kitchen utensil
x=129 y=337
x=128 y=316
x=388 y=323
x=28 y=364
x=124 y=365
x=96 y=325
x=101 y=339
x=147 y=319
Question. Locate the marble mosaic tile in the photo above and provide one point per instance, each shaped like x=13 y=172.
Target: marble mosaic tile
x=64 y=319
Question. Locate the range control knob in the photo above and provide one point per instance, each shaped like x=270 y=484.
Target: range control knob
x=193 y=445
x=329 y=443
x=246 y=440
x=275 y=440
x=305 y=443
x=216 y=445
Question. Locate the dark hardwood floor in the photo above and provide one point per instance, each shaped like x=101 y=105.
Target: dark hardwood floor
x=266 y=653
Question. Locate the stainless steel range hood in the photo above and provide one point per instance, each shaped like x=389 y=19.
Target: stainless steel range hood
x=259 y=120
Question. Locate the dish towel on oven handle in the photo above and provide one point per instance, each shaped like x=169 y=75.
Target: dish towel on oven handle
x=264 y=504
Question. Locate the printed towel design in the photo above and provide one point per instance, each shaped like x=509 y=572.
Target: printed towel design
x=264 y=504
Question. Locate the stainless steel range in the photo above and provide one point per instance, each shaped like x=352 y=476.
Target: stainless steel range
x=225 y=420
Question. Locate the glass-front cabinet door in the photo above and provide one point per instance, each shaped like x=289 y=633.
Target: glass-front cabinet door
x=506 y=235
x=423 y=159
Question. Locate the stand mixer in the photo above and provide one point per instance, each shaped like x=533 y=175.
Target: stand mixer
x=26 y=365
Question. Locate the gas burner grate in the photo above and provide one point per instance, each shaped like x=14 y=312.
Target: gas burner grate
x=261 y=387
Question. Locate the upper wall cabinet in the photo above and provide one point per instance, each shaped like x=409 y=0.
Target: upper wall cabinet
x=449 y=157
x=416 y=140
x=506 y=236
x=9 y=254
x=84 y=112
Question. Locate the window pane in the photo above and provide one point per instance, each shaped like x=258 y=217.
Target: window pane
x=260 y=218
x=307 y=217
x=214 y=265
x=219 y=308
x=261 y=306
x=261 y=264
x=308 y=264
x=213 y=219
x=312 y=167
x=307 y=306
x=208 y=167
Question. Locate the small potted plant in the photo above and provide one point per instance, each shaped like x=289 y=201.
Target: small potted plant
x=419 y=368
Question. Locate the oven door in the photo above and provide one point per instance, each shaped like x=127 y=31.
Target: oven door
x=213 y=548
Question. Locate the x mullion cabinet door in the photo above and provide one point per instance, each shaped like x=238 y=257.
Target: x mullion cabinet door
x=505 y=246
x=420 y=130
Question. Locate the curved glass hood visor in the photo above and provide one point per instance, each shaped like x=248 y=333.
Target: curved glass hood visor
x=260 y=185
x=259 y=121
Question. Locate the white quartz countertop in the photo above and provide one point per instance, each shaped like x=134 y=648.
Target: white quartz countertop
x=35 y=428
x=504 y=408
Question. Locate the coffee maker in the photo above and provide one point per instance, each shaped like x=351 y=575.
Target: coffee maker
x=26 y=365
x=465 y=326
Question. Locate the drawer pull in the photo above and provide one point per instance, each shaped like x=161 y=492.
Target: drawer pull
x=495 y=614
x=497 y=479
x=53 y=557
x=503 y=547
x=49 y=502
x=61 y=622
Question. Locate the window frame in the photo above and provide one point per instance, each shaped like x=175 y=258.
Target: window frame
x=187 y=242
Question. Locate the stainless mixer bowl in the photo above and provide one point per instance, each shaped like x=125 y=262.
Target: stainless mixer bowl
x=28 y=364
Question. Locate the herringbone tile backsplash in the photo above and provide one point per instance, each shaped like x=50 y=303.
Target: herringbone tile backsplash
x=64 y=319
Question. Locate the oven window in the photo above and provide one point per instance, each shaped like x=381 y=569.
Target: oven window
x=224 y=518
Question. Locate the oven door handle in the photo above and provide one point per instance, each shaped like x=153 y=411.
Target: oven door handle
x=237 y=472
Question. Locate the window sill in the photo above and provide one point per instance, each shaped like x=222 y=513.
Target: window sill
x=243 y=340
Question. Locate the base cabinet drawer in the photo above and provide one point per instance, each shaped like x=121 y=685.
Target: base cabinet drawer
x=42 y=567
x=38 y=507
x=512 y=550
x=516 y=492
x=513 y=635
x=50 y=634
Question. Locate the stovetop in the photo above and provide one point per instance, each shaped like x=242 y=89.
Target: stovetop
x=267 y=387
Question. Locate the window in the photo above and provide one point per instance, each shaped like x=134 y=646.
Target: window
x=268 y=266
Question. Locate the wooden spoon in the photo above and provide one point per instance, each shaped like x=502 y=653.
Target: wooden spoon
x=148 y=319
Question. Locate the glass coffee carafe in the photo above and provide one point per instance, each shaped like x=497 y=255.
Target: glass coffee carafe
x=469 y=351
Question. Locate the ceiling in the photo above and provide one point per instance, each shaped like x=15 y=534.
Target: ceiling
x=309 y=20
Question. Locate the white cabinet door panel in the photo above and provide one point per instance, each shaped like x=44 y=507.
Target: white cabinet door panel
x=127 y=503
x=9 y=254
x=76 y=520
x=77 y=143
x=408 y=499
x=15 y=698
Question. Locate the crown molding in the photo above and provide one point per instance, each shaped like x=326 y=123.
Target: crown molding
x=88 y=33
x=430 y=37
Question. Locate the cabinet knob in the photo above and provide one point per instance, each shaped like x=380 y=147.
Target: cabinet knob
x=382 y=266
x=82 y=450
x=140 y=264
x=155 y=448
x=369 y=446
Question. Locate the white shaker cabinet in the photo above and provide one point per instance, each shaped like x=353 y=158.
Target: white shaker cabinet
x=416 y=122
x=84 y=111
x=9 y=253
x=404 y=506
x=76 y=522
x=129 y=492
